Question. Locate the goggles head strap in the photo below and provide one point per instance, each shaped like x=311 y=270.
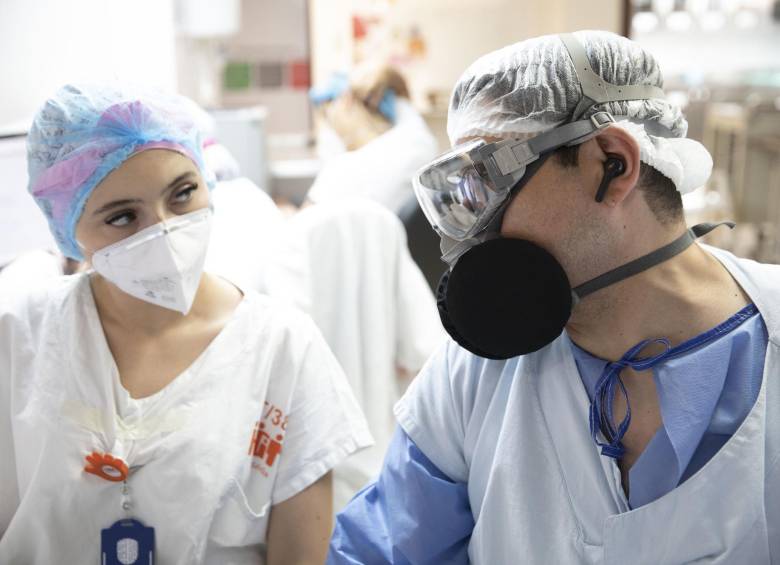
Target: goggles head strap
x=504 y=158
x=596 y=90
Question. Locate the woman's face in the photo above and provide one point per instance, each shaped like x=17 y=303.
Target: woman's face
x=150 y=187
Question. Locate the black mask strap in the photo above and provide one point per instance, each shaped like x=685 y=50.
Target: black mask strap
x=646 y=261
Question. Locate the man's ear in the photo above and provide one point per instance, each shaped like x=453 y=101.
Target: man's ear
x=617 y=146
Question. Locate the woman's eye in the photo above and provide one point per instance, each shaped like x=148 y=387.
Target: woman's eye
x=185 y=195
x=121 y=220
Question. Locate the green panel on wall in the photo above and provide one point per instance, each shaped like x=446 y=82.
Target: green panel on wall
x=236 y=75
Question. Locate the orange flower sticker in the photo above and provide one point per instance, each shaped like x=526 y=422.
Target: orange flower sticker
x=106 y=467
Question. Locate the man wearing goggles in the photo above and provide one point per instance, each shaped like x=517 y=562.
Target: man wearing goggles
x=608 y=392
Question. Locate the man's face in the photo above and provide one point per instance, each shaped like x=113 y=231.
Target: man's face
x=556 y=210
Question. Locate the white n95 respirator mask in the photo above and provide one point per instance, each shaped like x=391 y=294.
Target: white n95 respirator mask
x=161 y=264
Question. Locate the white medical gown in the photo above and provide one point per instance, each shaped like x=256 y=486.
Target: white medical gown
x=27 y=268
x=374 y=308
x=262 y=413
x=250 y=244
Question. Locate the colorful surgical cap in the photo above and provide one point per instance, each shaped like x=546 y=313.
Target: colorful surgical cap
x=84 y=132
x=531 y=87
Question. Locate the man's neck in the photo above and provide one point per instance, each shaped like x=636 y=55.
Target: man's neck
x=678 y=300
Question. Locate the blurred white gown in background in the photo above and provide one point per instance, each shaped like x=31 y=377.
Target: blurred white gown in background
x=375 y=309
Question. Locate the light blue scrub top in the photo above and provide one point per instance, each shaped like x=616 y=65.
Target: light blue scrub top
x=703 y=396
x=415 y=514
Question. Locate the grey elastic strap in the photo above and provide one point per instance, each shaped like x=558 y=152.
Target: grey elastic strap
x=571 y=133
x=596 y=90
x=646 y=261
x=515 y=155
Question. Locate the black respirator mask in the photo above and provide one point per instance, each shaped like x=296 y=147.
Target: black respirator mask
x=509 y=297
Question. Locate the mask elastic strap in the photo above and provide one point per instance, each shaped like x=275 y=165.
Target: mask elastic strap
x=646 y=261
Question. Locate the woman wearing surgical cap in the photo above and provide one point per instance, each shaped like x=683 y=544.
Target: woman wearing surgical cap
x=151 y=412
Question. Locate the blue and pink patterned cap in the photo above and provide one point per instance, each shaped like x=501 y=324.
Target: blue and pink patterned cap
x=84 y=132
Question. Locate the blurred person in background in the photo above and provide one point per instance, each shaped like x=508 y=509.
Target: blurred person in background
x=372 y=137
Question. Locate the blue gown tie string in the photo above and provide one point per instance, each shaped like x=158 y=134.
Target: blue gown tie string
x=601 y=413
x=601 y=409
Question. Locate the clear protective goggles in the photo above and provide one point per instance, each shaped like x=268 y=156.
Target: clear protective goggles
x=461 y=191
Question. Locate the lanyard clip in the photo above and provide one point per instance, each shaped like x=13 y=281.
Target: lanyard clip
x=106 y=467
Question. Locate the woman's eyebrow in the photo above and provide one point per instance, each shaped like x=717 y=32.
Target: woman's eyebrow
x=126 y=201
x=115 y=204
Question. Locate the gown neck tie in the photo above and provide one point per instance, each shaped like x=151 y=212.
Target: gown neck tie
x=601 y=408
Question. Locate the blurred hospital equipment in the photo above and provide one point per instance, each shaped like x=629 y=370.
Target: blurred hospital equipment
x=242 y=131
x=740 y=126
x=204 y=19
x=728 y=85
x=24 y=227
x=292 y=177
x=744 y=140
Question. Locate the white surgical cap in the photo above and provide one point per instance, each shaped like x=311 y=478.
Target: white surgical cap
x=531 y=87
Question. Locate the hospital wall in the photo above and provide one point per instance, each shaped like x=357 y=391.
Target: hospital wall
x=50 y=42
x=455 y=32
x=269 y=43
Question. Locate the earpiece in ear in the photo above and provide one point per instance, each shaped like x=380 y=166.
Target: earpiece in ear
x=613 y=167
